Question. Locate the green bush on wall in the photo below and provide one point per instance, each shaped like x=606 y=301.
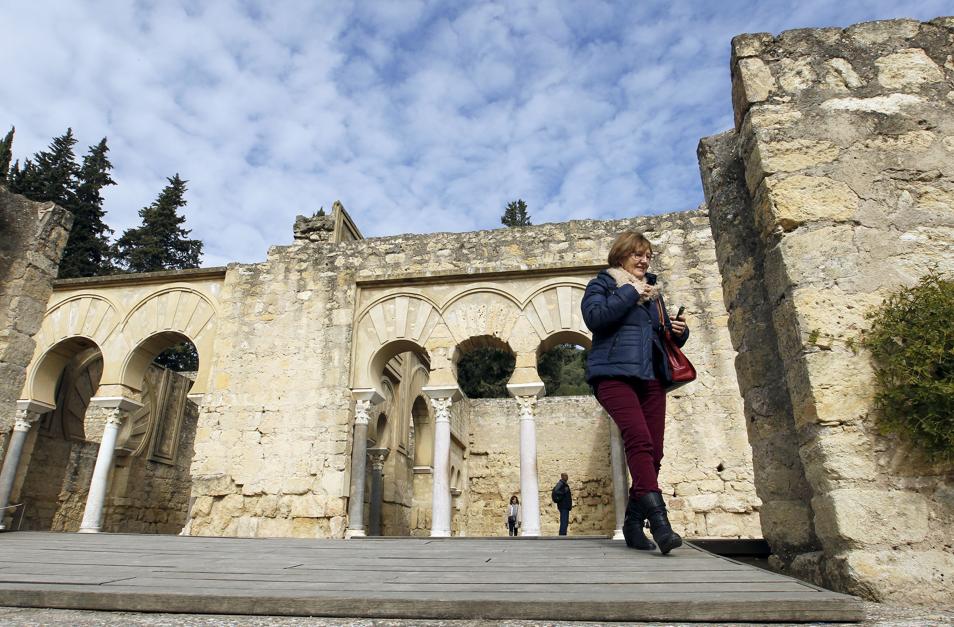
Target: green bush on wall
x=912 y=342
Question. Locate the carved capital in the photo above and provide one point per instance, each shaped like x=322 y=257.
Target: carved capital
x=114 y=418
x=361 y=409
x=378 y=456
x=442 y=407
x=527 y=405
x=25 y=419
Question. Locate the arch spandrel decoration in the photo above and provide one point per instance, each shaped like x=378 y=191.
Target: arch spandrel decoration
x=481 y=312
x=86 y=315
x=556 y=309
x=68 y=328
x=389 y=326
x=174 y=311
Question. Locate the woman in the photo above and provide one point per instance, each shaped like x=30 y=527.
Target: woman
x=513 y=515
x=629 y=374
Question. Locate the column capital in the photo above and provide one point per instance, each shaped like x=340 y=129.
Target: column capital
x=25 y=419
x=115 y=417
x=442 y=407
x=527 y=405
x=364 y=398
x=378 y=456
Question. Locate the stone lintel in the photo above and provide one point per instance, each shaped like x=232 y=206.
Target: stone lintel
x=121 y=403
x=442 y=391
x=33 y=406
x=367 y=394
x=537 y=389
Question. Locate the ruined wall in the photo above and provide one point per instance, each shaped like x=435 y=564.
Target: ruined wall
x=846 y=140
x=274 y=437
x=32 y=238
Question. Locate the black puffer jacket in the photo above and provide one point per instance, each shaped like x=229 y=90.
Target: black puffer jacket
x=625 y=331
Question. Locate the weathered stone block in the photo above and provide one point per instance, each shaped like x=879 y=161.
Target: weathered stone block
x=857 y=517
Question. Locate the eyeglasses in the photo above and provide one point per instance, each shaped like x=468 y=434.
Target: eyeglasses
x=648 y=256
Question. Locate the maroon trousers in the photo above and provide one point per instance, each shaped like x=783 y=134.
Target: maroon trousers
x=638 y=407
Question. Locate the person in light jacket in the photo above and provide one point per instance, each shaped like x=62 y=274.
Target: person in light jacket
x=513 y=515
x=628 y=372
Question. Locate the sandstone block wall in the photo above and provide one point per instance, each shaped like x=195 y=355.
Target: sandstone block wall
x=32 y=238
x=841 y=171
x=274 y=436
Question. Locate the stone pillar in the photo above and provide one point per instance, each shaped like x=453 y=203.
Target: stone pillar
x=526 y=395
x=93 y=514
x=21 y=428
x=441 y=499
x=620 y=477
x=377 y=455
x=363 y=400
x=442 y=397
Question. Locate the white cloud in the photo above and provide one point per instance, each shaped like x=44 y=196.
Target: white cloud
x=418 y=116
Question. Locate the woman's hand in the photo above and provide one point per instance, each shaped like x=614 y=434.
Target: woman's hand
x=678 y=326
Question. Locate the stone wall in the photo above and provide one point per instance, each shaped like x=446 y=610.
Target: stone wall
x=32 y=242
x=274 y=437
x=838 y=185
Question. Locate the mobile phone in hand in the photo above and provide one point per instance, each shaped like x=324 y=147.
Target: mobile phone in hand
x=679 y=313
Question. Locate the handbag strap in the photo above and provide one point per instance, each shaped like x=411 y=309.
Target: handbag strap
x=662 y=318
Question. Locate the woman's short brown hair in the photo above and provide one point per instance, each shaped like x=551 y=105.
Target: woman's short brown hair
x=625 y=244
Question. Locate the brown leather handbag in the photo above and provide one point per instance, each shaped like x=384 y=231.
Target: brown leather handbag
x=680 y=367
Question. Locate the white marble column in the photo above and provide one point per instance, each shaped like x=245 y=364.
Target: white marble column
x=526 y=395
x=25 y=419
x=620 y=477
x=93 y=514
x=441 y=496
x=364 y=398
x=378 y=456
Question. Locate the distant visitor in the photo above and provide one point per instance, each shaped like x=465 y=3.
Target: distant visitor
x=564 y=501
x=513 y=516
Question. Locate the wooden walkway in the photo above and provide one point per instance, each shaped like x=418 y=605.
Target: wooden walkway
x=593 y=579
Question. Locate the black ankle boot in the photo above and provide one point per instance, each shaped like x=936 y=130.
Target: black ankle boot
x=652 y=507
x=633 y=528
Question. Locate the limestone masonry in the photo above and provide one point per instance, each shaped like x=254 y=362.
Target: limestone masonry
x=326 y=402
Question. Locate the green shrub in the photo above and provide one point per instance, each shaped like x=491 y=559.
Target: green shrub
x=912 y=342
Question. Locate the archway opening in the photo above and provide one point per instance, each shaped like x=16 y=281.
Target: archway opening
x=484 y=366
x=400 y=371
x=151 y=479
x=59 y=466
x=561 y=364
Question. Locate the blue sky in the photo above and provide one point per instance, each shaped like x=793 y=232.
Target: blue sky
x=418 y=116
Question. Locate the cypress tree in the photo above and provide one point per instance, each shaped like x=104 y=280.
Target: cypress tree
x=515 y=214
x=6 y=155
x=53 y=176
x=160 y=243
x=87 y=250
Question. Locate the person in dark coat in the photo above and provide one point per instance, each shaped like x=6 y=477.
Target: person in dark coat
x=629 y=374
x=564 y=501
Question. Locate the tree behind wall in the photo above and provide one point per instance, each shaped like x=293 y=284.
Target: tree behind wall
x=87 y=250
x=6 y=156
x=515 y=214
x=160 y=243
x=53 y=175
